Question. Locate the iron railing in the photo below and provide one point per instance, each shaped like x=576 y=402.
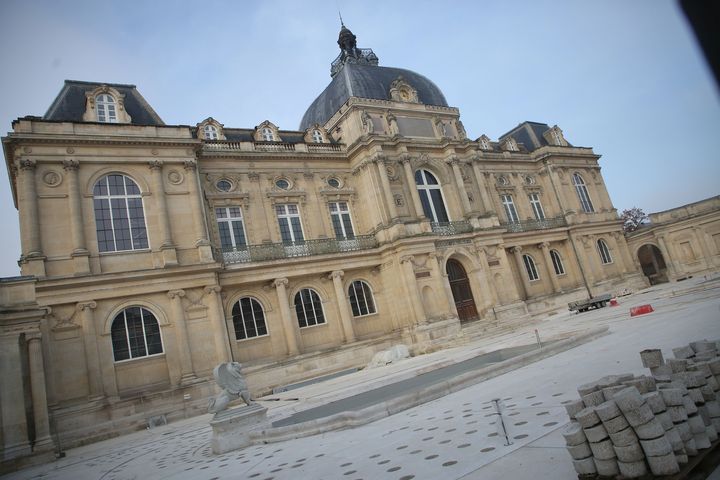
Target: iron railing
x=530 y=225
x=451 y=228
x=307 y=248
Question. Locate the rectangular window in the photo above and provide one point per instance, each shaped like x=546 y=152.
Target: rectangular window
x=342 y=224
x=231 y=227
x=509 y=206
x=289 y=223
x=536 y=206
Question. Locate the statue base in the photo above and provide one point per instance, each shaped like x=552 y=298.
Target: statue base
x=231 y=428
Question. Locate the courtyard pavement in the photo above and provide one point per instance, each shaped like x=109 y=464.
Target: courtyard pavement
x=453 y=437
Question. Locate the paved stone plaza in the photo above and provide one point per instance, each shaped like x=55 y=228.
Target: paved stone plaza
x=453 y=437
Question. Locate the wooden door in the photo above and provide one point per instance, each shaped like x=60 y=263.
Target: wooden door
x=462 y=294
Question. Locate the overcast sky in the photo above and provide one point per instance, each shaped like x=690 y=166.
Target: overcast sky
x=624 y=77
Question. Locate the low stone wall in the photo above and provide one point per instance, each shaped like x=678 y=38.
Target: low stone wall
x=626 y=426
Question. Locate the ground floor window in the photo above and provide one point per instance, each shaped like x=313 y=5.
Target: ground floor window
x=248 y=319
x=604 y=252
x=557 y=262
x=308 y=308
x=135 y=333
x=530 y=268
x=361 y=299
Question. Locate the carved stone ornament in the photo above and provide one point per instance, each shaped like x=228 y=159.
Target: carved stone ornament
x=155 y=164
x=175 y=177
x=189 y=165
x=27 y=164
x=402 y=91
x=70 y=150
x=70 y=164
x=51 y=178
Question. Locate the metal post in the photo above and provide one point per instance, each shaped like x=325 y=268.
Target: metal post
x=501 y=423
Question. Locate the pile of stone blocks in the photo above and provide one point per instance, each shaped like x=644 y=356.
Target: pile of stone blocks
x=630 y=426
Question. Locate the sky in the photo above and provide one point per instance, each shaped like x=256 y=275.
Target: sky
x=623 y=77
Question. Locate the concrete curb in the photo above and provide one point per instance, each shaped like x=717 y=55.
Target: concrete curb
x=413 y=399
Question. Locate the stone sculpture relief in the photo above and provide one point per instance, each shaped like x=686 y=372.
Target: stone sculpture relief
x=230 y=378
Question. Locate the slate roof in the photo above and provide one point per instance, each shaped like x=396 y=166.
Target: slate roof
x=69 y=105
x=530 y=134
x=366 y=81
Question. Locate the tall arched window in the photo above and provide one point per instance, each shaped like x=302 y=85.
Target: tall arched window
x=308 y=308
x=317 y=136
x=530 y=268
x=248 y=319
x=267 y=134
x=105 y=108
x=604 y=251
x=582 y=192
x=361 y=299
x=557 y=262
x=431 y=196
x=211 y=132
x=135 y=333
x=119 y=215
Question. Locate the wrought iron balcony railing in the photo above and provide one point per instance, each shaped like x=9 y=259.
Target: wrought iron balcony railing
x=530 y=225
x=451 y=228
x=274 y=251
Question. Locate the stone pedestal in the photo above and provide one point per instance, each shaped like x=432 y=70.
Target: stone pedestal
x=231 y=428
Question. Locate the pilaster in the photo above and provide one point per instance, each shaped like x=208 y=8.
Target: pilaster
x=289 y=328
x=167 y=247
x=90 y=341
x=217 y=319
x=187 y=372
x=343 y=306
x=80 y=253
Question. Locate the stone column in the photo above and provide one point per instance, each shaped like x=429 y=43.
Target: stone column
x=414 y=297
x=482 y=186
x=669 y=262
x=707 y=253
x=585 y=274
x=90 y=341
x=343 y=306
x=187 y=372
x=287 y=321
x=624 y=251
x=222 y=344
x=163 y=219
x=464 y=201
x=198 y=211
x=619 y=258
x=517 y=252
x=29 y=218
x=410 y=179
x=387 y=191
x=545 y=247
x=77 y=231
x=12 y=398
x=486 y=283
x=39 y=396
x=443 y=278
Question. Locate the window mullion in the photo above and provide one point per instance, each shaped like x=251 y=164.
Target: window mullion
x=127 y=334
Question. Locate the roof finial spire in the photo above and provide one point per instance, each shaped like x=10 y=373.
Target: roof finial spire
x=341 y=21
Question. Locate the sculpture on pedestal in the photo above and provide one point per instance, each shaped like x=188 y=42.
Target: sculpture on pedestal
x=230 y=378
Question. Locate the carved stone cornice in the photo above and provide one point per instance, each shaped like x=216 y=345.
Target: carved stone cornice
x=210 y=289
x=190 y=165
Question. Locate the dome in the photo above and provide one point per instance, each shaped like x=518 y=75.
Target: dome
x=356 y=74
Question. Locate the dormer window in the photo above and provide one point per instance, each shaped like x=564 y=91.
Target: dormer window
x=484 y=143
x=557 y=138
x=317 y=136
x=211 y=132
x=105 y=108
x=267 y=134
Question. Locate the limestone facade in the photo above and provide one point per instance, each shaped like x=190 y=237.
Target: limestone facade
x=679 y=243
x=157 y=251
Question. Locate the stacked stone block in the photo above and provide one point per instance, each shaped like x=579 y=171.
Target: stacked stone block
x=627 y=426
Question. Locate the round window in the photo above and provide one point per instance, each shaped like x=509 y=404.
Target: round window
x=223 y=185
x=530 y=180
x=334 y=182
x=282 y=184
x=502 y=180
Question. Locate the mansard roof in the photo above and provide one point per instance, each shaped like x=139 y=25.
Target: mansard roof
x=70 y=104
x=529 y=134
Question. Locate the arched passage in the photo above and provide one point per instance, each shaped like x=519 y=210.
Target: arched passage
x=461 y=292
x=652 y=263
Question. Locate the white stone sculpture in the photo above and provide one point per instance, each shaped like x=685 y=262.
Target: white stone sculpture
x=229 y=377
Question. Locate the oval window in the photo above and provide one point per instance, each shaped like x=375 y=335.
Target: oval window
x=223 y=185
x=334 y=182
x=282 y=184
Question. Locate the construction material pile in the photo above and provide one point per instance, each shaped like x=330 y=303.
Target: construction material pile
x=629 y=426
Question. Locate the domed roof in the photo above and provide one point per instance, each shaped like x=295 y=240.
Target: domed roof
x=356 y=74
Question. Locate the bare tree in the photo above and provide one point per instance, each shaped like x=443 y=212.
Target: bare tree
x=633 y=219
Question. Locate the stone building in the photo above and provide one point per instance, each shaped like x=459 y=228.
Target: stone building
x=679 y=243
x=151 y=252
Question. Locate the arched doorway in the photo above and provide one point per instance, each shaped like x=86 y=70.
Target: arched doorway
x=461 y=292
x=653 y=264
